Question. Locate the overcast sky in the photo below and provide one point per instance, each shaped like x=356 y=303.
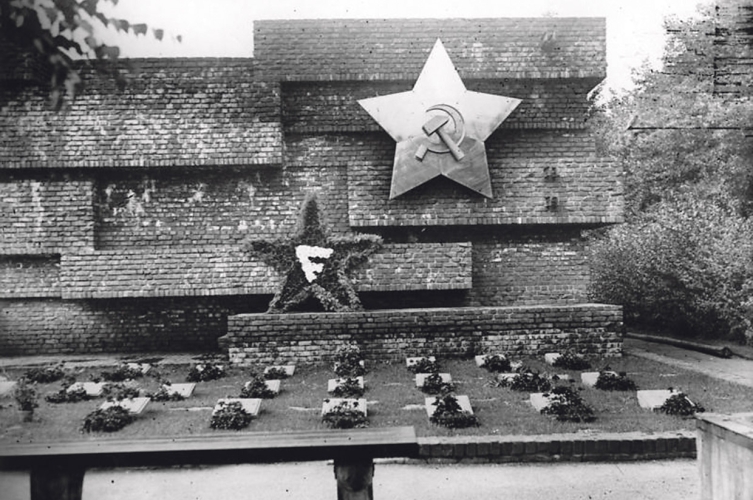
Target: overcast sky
x=210 y=28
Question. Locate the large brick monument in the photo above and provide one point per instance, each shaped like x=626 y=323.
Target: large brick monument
x=462 y=144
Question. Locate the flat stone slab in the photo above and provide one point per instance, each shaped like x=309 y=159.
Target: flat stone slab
x=539 y=401
x=589 y=378
x=421 y=378
x=412 y=361
x=357 y=404
x=551 y=357
x=185 y=390
x=134 y=406
x=561 y=376
x=653 y=399
x=6 y=388
x=251 y=405
x=289 y=369
x=334 y=382
x=505 y=377
x=463 y=401
x=93 y=389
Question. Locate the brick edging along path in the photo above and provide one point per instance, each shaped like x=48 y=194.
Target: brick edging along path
x=628 y=446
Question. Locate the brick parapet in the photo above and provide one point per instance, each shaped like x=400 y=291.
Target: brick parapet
x=447 y=332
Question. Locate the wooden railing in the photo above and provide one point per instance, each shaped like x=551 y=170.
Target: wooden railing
x=57 y=469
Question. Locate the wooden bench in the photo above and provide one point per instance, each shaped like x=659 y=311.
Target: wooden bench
x=57 y=469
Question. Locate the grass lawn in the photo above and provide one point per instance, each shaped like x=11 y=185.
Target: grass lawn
x=393 y=401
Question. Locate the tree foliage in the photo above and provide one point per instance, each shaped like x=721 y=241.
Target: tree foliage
x=684 y=258
x=59 y=31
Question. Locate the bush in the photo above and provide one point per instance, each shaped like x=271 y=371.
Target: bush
x=165 y=395
x=567 y=406
x=571 y=361
x=348 y=361
x=45 y=375
x=685 y=266
x=256 y=388
x=25 y=395
x=66 y=396
x=230 y=415
x=345 y=415
x=205 y=372
x=449 y=413
x=434 y=385
x=608 y=381
x=348 y=388
x=496 y=363
x=275 y=373
x=680 y=405
x=119 y=392
x=111 y=419
x=424 y=365
x=527 y=381
x=121 y=374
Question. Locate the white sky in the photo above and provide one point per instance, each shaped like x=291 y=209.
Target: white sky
x=211 y=28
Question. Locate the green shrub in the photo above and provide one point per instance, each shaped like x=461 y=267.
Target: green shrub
x=527 y=381
x=65 y=396
x=496 y=363
x=205 y=372
x=163 y=394
x=348 y=388
x=122 y=373
x=424 y=365
x=348 y=361
x=275 y=373
x=111 y=419
x=680 y=405
x=230 y=415
x=608 y=381
x=345 y=416
x=433 y=384
x=256 y=388
x=686 y=266
x=567 y=406
x=449 y=413
x=571 y=361
x=119 y=392
x=45 y=375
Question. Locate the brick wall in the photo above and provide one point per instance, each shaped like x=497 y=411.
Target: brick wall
x=30 y=276
x=124 y=325
x=255 y=339
x=44 y=214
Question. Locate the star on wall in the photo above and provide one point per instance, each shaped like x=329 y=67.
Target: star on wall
x=315 y=264
x=440 y=127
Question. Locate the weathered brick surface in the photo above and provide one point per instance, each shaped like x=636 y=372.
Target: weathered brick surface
x=45 y=214
x=325 y=107
x=396 y=49
x=208 y=271
x=184 y=112
x=124 y=325
x=29 y=276
x=588 y=189
x=395 y=334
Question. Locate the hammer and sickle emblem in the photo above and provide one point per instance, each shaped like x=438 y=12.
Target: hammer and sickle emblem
x=448 y=140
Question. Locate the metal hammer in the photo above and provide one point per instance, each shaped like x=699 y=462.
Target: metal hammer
x=435 y=124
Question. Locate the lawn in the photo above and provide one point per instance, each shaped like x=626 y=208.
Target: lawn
x=393 y=401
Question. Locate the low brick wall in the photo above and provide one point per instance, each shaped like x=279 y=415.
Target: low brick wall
x=445 y=332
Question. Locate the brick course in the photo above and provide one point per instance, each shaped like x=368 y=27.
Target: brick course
x=254 y=339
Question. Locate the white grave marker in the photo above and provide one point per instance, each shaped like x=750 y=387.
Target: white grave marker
x=6 y=388
x=185 y=390
x=653 y=399
x=134 y=406
x=421 y=378
x=93 y=389
x=412 y=361
x=251 y=405
x=356 y=404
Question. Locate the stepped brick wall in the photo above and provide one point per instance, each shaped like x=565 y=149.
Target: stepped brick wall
x=122 y=216
x=257 y=339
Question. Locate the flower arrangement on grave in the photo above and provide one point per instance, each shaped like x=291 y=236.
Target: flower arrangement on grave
x=424 y=365
x=348 y=388
x=567 y=406
x=450 y=414
x=164 y=393
x=348 y=361
x=434 y=385
x=64 y=395
x=496 y=363
x=275 y=373
x=526 y=380
x=256 y=388
x=26 y=397
x=571 y=361
x=45 y=375
x=205 y=372
x=121 y=374
x=119 y=392
x=111 y=419
x=345 y=415
x=315 y=265
x=230 y=416
x=680 y=405
x=610 y=381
